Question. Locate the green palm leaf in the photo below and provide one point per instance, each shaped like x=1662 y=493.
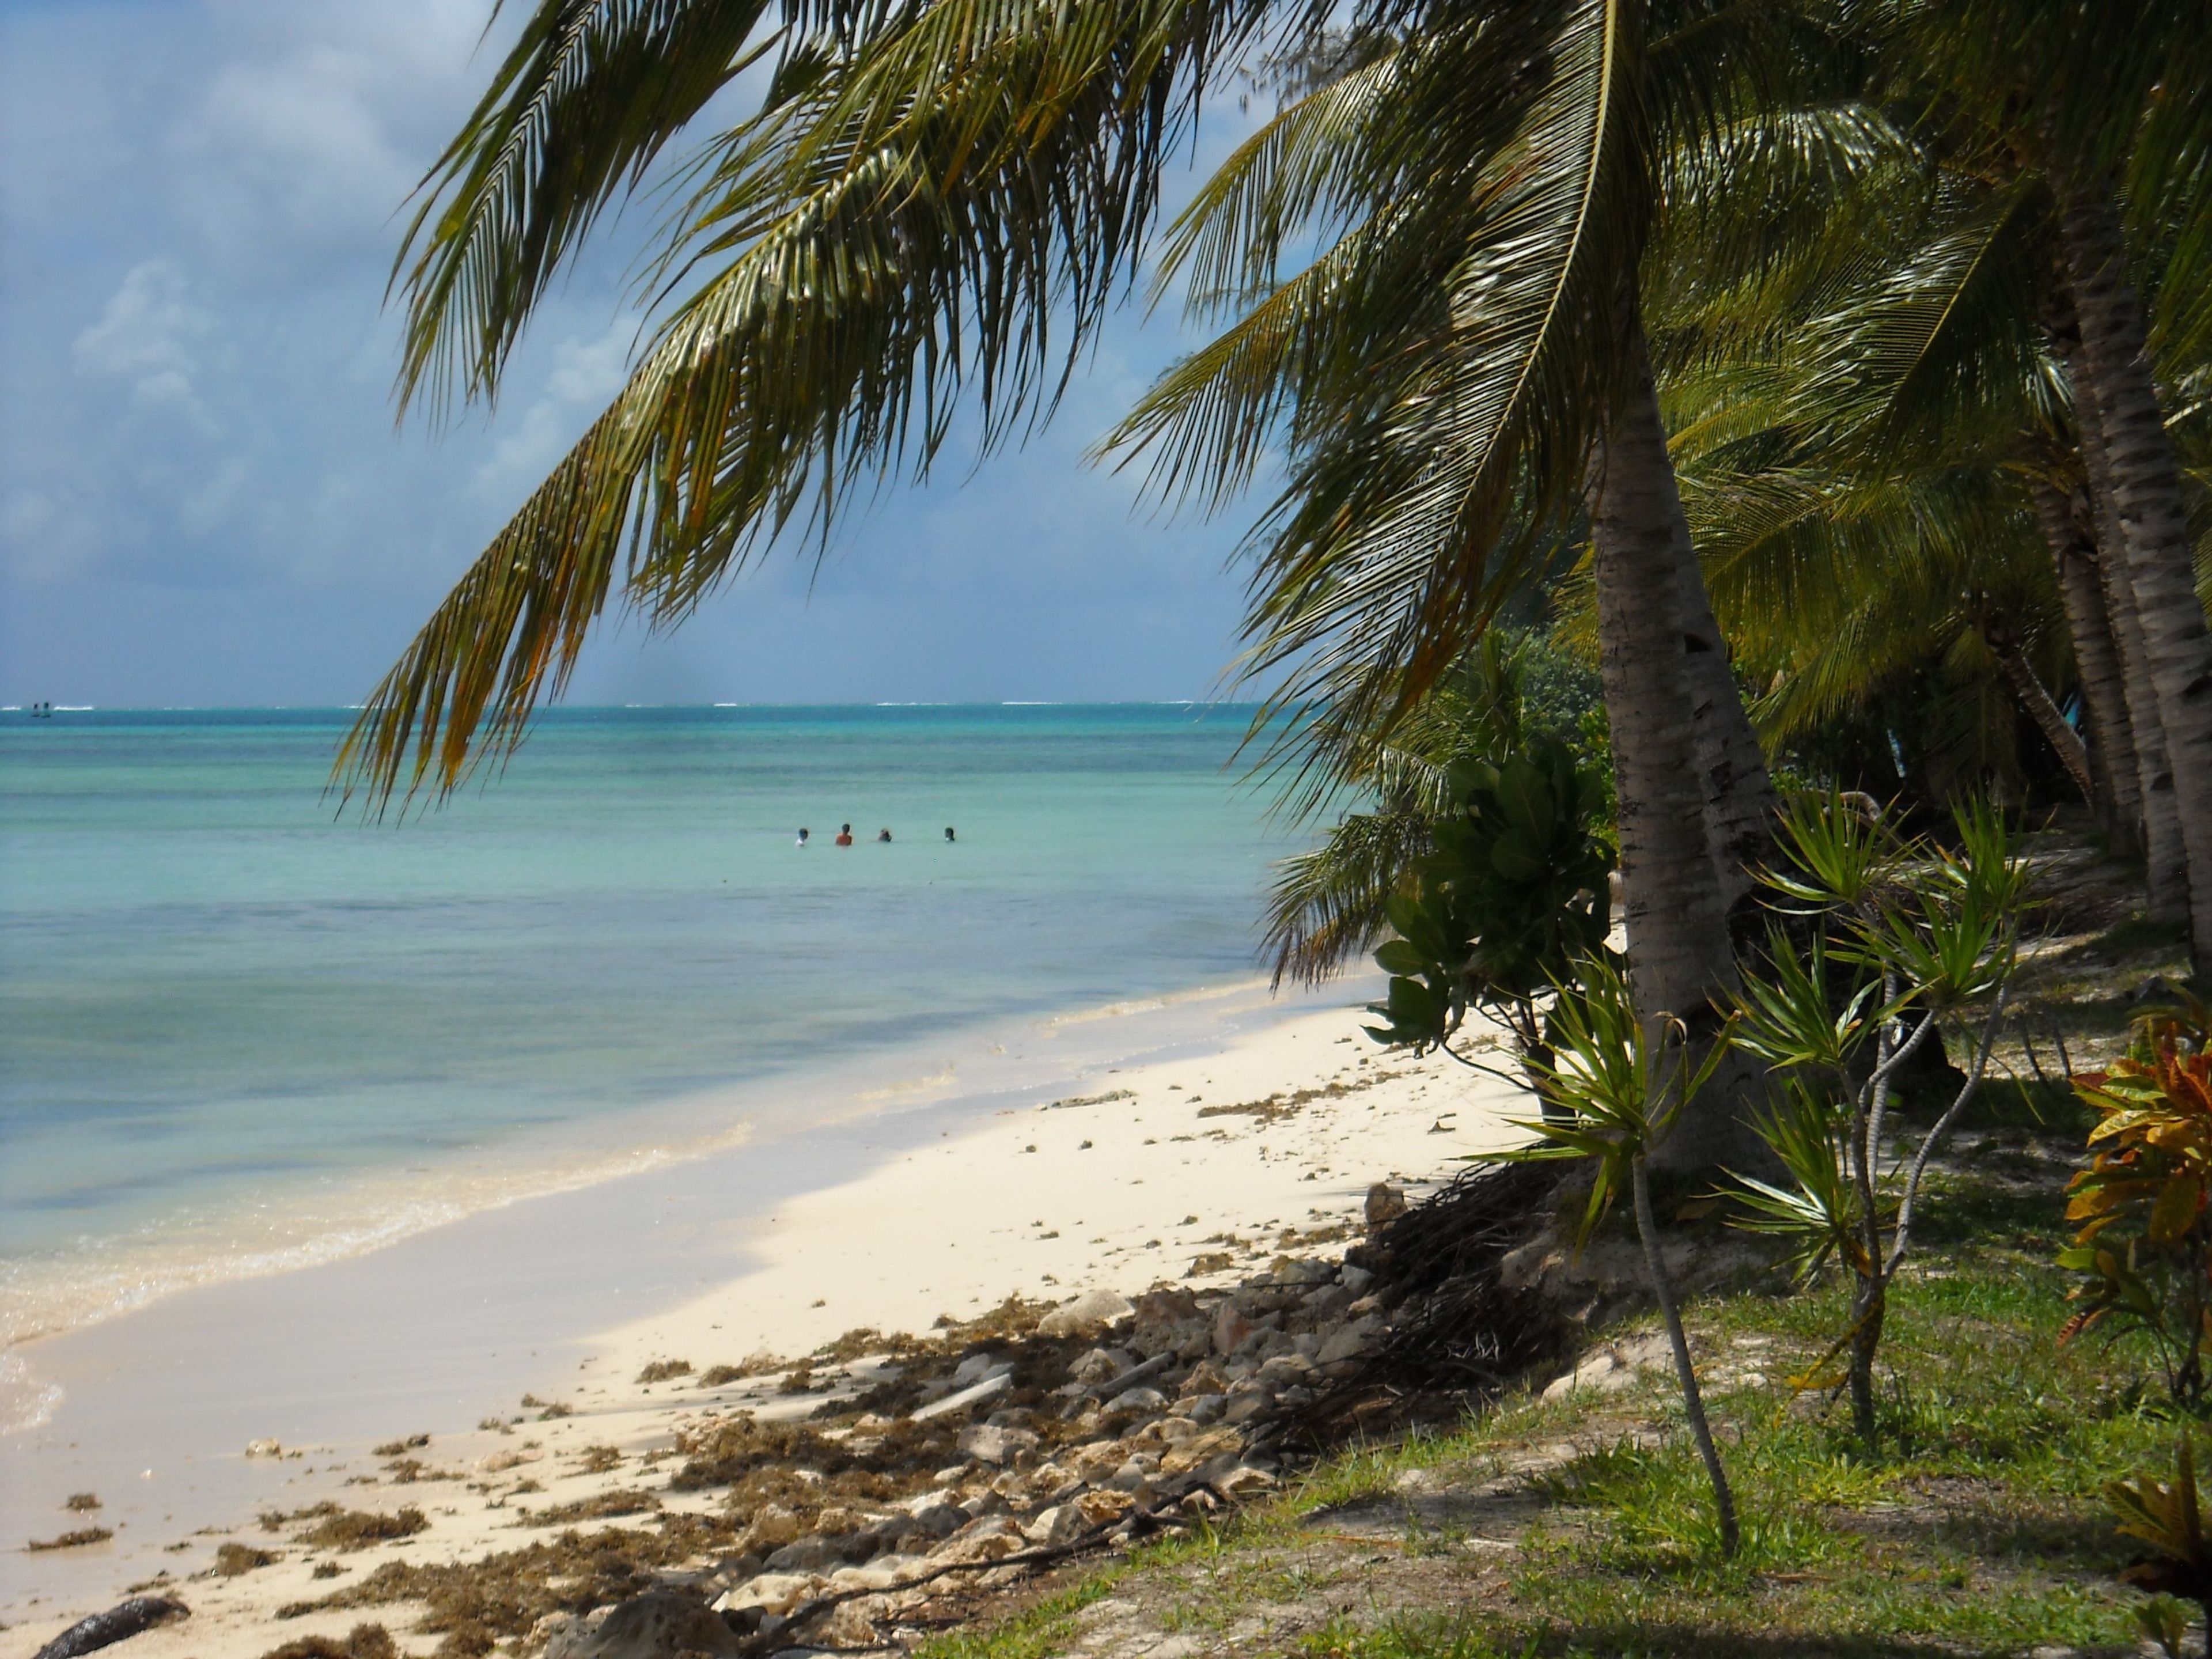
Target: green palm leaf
x=585 y=101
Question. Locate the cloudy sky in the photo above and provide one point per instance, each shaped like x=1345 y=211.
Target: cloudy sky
x=204 y=500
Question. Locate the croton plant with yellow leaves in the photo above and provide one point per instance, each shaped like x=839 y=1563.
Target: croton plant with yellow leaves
x=2145 y=1235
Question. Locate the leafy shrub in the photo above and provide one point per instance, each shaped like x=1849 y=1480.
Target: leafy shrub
x=2145 y=1237
x=1514 y=893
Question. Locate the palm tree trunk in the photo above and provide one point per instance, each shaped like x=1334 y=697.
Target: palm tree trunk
x=2146 y=487
x=2119 y=791
x=2020 y=676
x=2165 y=867
x=2166 y=870
x=1739 y=804
x=1680 y=953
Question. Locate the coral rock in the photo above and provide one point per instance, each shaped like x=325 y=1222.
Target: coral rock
x=1349 y=1341
x=658 y=1625
x=1088 y=1313
x=988 y=1444
x=1230 y=1328
x=771 y=1592
x=1197 y=1453
x=1385 y=1204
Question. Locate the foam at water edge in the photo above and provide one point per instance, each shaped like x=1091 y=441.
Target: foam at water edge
x=26 y=1403
x=46 y=1296
x=311 y=1226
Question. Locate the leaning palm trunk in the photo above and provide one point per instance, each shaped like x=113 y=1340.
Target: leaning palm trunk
x=2166 y=870
x=2146 y=495
x=1679 y=949
x=2119 y=791
x=2027 y=687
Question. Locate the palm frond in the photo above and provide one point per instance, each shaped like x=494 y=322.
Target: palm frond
x=1406 y=525
x=585 y=101
x=863 y=262
x=1327 y=905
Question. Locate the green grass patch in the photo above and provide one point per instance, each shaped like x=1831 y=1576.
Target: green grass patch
x=1038 y=1630
x=1978 y=1527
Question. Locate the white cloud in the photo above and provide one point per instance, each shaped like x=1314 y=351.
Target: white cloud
x=212 y=503
x=584 y=378
x=198 y=206
x=300 y=147
x=45 y=540
x=149 y=337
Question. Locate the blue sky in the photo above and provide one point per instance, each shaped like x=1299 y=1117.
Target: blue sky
x=204 y=500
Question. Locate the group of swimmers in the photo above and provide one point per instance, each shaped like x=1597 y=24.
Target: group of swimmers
x=845 y=835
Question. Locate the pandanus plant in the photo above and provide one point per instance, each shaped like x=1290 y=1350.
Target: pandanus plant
x=1898 y=939
x=1616 y=1085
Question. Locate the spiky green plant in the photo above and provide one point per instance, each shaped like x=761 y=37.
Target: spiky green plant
x=1903 y=939
x=1613 y=1091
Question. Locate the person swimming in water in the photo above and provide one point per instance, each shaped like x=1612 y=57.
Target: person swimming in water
x=802 y=834
x=948 y=832
x=845 y=836
x=882 y=835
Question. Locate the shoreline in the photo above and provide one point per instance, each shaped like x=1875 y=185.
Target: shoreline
x=1187 y=1169
x=322 y=1220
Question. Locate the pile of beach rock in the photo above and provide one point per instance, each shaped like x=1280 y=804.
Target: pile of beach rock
x=929 y=1464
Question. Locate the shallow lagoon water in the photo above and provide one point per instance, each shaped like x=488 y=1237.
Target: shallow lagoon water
x=245 y=1031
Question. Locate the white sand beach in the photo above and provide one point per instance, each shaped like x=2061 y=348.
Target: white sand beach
x=1190 y=1170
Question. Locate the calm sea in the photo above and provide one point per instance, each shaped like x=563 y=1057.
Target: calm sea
x=240 y=1030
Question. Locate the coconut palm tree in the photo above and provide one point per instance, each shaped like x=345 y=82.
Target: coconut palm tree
x=1863 y=504
x=1460 y=365
x=2096 y=103
x=934 y=208
x=1834 y=587
x=1934 y=318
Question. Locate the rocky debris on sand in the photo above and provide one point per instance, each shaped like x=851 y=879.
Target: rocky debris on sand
x=658 y=1625
x=991 y=1442
x=1385 y=1204
x=844 y=1490
x=124 y=1619
x=1090 y=1312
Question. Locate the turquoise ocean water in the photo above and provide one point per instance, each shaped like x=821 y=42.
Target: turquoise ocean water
x=238 y=1025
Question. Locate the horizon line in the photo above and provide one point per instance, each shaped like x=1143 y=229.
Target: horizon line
x=557 y=708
